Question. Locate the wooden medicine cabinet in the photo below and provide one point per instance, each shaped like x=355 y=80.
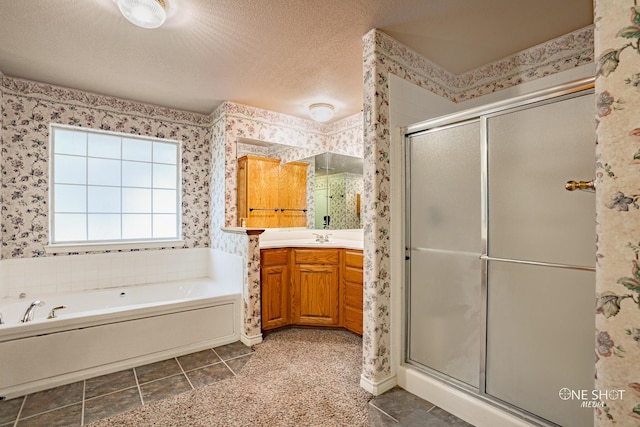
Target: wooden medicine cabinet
x=271 y=194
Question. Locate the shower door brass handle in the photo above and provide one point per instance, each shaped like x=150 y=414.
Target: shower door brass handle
x=581 y=185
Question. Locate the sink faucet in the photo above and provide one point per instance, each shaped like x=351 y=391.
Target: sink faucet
x=322 y=239
x=28 y=315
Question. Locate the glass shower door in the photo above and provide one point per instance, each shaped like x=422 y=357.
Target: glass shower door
x=541 y=245
x=500 y=270
x=445 y=246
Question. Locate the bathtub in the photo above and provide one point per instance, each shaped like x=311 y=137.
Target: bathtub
x=108 y=330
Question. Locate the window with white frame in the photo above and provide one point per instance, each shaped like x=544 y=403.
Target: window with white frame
x=108 y=187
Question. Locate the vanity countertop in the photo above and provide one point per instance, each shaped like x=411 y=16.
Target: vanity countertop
x=309 y=243
x=305 y=238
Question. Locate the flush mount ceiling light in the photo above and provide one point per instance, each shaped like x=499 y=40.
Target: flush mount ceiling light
x=321 y=112
x=144 y=13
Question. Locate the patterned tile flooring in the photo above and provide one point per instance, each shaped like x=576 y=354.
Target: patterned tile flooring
x=83 y=402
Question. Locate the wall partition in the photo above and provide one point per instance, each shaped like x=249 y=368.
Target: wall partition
x=500 y=255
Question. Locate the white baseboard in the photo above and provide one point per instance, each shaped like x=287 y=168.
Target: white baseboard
x=457 y=402
x=379 y=387
x=250 y=340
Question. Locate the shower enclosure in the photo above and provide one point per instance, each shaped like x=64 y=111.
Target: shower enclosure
x=500 y=256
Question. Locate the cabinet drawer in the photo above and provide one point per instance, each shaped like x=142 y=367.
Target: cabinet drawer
x=353 y=258
x=274 y=257
x=316 y=256
x=353 y=274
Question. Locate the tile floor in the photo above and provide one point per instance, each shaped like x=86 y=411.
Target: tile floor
x=398 y=407
x=83 y=402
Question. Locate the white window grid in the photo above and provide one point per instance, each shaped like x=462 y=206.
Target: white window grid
x=86 y=131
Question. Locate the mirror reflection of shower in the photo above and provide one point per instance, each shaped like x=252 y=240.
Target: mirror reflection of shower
x=338 y=186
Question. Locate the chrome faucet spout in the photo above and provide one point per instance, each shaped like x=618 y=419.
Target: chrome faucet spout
x=28 y=315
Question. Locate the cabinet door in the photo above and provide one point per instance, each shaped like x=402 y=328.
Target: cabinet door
x=262 y=191
x=275 y=296
x=353 y=290
x=275 y=288
x=316 y=295
x=293 y=195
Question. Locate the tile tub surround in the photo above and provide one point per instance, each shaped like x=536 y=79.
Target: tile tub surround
x=84 y=402
x=50 y=275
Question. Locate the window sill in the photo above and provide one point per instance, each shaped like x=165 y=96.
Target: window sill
x=115 y=246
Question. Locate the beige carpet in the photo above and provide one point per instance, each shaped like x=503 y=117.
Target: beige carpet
x=297 y=377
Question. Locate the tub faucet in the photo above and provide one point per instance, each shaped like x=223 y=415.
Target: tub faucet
x=28 y=315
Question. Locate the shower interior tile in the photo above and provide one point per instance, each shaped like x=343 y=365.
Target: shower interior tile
x=209 y=375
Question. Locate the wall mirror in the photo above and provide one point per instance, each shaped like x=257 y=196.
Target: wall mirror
x=334 y=182
x=337 y=191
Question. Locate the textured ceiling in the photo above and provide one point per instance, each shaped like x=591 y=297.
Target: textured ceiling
x=280 y=55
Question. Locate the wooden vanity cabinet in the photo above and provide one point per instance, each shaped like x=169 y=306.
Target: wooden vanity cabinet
x=270 y=194
x=316 y=287
x=352 y=279
x=312 y=287
x=275 y=294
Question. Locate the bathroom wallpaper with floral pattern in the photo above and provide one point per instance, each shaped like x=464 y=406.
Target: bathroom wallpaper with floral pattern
x=617 y=336
x=2 y=114
x=27 y=110
x=382 y=55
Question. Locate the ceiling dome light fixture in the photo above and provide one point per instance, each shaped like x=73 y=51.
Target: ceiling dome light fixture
x=321 y=112
x=144 y=13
